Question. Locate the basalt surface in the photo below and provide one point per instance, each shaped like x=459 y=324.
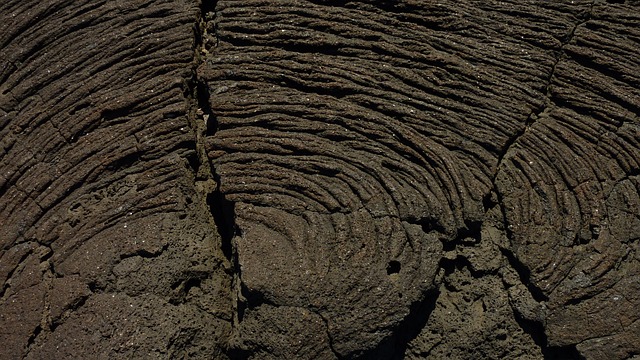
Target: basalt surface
x=278 y=179
x=107 y=247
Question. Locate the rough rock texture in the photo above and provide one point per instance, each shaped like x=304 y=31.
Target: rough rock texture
x=106 y=248
x=569 y=188
x=279 y=179
x=451 y=179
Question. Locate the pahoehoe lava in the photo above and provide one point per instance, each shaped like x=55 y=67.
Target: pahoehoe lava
x=106 y=248
x=370 y=146
x=315 y=179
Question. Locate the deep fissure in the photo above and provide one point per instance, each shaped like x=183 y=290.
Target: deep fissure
x=204 y=123
x=395 y=346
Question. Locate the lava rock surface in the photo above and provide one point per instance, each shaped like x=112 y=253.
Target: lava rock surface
x=276 y=179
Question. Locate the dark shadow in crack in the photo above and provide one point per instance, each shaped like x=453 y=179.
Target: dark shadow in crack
x=536 y=331
x=395 y=346
x=223 y=212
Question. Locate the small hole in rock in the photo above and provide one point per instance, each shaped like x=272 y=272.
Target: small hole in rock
x=393 y=267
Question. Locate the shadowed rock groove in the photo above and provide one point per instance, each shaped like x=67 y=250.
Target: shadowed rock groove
x=222 y=210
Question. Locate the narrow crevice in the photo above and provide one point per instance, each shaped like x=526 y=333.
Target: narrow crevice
x=536 y=330
x=560 y=53
x=254 y=299
x=428 y=224
x=512 y=141
x=9 y=275
x=329 y=336
x=197 y=93
x=32 y=339
x=124 y=162
x=578 y=300
x=74 y=306
x=118 y=113
x=525 y=276
x=548 y=93
x=204 y=124
x=395 y=346
x=223 y=212
x=496 y=198
x=96 y=288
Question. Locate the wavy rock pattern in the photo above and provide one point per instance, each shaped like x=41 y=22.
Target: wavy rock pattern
x=102 y=250
x=570 y=187
x=388 y=179
x=359 y=140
